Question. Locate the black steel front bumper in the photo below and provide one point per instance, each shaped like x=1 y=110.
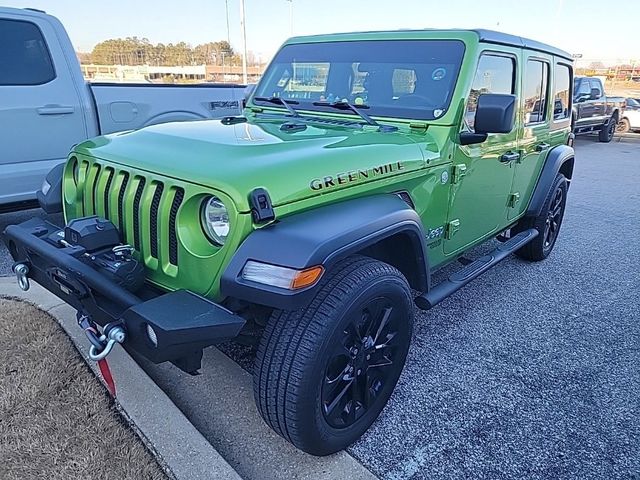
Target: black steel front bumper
x=173 y=326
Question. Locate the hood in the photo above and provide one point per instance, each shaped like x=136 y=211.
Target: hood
x=290 y=165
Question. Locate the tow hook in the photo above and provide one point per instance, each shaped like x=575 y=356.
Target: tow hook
x=21 y=270
x=101 y=344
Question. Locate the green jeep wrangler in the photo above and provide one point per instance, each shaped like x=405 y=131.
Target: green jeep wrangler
x=361 y=164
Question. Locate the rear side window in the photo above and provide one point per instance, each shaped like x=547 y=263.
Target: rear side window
x=535 y=92
x=495 y=74
x=562 y=92
x=24 y=57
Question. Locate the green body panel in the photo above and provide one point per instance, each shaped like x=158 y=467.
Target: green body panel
x=463 y=194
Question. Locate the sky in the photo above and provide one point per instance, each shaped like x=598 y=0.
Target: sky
x=586 y=27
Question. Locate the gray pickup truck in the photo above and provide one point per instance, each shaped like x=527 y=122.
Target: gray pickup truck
x=593 y=111
x=46 y=106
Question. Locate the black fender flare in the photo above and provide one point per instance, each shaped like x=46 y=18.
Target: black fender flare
x=559 y=159
x=323 y=236
x=51 y=200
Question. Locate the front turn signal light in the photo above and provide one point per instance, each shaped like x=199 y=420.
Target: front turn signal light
x=282 y=277
x=307 y=277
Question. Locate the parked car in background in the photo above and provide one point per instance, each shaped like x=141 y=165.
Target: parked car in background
x=630 y=120
x=593 y=111
x=46 y=105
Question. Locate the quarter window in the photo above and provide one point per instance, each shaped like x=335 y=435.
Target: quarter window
x=535 y=92
x=495 y=74
x=562 y=93
x=24 y=57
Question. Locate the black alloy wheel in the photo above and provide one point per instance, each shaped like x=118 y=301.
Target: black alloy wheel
x=362 y=363
x=324 y=373
x=554 y=218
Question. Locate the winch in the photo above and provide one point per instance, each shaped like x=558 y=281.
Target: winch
x=104 y=250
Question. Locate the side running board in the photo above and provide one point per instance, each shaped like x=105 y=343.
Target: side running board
x=473 y=270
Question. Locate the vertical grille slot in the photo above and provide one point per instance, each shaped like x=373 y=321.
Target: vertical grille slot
x=94 y=187
x=136 y=215
x=173 y=237
x=123 y=188
x=153 y=221
x=106 y=195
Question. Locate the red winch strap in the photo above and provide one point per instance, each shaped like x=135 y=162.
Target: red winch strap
x=106 y=374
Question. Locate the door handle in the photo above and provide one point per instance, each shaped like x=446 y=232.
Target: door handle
x=55 y=110
x=541 y=147
x=509 y=157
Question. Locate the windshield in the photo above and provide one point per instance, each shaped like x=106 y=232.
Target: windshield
x=411 y=79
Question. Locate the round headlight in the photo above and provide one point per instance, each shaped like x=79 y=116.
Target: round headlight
x=215 y=220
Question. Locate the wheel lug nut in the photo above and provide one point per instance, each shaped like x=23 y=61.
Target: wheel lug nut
x=359 y=371
x=368 y=357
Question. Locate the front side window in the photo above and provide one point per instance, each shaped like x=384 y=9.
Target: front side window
x=581 y=88
x=24 y=57
x=411 y=79
x=562 y=93
x=596 y=86
x=535 y=92
x=495 y=74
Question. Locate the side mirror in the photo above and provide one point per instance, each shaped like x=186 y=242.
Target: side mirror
x=248 y=90
x=595 y=94
x=495 y=113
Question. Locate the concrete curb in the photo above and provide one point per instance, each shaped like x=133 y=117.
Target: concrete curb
x=179 y=446
x=220 y=403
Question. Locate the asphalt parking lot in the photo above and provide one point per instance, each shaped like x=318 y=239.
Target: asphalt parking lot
x=532 y=371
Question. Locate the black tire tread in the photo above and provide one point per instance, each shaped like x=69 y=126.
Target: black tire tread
x=533 y=251
x=603 y=134
x=289 y=337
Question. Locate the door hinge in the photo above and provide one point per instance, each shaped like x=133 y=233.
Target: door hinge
x=514 y=198
x=459 y=171
x=452 y=228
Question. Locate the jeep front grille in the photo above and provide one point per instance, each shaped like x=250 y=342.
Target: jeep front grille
x=144 y=210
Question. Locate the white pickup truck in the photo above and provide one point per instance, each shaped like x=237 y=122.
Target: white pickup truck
x=46 y=106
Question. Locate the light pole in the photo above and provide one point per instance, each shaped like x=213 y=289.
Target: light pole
x=244 y=43
x=290 y=17
x=226 y=5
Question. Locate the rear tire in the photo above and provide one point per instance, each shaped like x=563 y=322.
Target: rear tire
x=324 y=373
x=547 y=223
x=608 y=130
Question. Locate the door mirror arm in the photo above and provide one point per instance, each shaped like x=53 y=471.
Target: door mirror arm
x=471 y=138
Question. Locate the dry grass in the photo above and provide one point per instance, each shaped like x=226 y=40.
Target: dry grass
x=56 y=419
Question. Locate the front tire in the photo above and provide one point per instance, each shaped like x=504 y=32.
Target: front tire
x=608 y=130
x=324 y=373
x=547 y=223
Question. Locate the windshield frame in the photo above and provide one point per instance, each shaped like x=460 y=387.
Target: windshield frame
x=457 y=47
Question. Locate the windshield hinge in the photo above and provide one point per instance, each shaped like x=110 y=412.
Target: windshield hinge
x=514 y=198
x=459 y=171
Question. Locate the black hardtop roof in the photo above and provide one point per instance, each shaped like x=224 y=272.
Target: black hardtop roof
x=499 y=38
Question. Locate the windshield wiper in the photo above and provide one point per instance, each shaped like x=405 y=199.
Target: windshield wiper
x=280 y=101
x=344 y=105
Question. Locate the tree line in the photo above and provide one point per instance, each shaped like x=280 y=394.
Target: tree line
x=140 y=51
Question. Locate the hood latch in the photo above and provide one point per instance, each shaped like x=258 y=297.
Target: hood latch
x=261 y=208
